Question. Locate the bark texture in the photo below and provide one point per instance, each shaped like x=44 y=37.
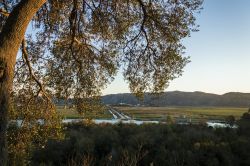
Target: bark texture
x=10 y=39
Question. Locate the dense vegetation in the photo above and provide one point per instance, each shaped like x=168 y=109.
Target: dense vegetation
x=174 y=145
x=178 y=98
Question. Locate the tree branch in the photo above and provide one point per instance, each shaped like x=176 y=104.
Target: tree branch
x=4 y=13
x=32 y=75
x=142 y=29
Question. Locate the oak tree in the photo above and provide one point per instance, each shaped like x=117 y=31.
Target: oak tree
x=75 y=47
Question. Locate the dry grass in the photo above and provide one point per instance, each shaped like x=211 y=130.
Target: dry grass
x=192 y=112
x=159 y=113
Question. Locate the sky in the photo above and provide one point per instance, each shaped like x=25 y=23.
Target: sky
x=219 y=52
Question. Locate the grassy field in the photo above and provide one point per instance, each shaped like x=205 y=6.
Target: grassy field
x=160 y=113
x=73 y=114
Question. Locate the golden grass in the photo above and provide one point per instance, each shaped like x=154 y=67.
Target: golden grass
x=159 y=112
x=192 y=112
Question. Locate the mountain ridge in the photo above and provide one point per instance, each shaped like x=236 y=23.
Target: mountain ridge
x=181 y=98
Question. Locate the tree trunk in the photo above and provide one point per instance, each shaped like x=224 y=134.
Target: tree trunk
x=10 y=39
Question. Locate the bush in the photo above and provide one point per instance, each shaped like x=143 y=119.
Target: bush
x=147 y=144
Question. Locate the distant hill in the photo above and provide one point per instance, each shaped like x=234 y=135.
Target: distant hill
x=178 y=98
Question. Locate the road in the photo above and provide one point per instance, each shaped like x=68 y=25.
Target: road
x=118 y=115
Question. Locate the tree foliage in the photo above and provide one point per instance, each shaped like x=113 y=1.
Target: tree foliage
x=73 y=48
x=78 y=45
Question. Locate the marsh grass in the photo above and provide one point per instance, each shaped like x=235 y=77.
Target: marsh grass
x=190 y=112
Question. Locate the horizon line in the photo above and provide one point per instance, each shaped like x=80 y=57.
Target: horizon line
x=180 y=91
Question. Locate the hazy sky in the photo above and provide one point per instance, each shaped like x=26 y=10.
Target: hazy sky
x=220 y=51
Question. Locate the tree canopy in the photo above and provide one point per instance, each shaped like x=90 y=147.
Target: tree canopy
x=76 y=47
x=73 y=48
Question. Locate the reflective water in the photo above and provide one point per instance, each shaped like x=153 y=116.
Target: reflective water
x=111 y=121
x=128 y=121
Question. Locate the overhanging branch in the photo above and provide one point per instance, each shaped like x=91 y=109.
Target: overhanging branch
x=32 y=75
x=5 y=13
